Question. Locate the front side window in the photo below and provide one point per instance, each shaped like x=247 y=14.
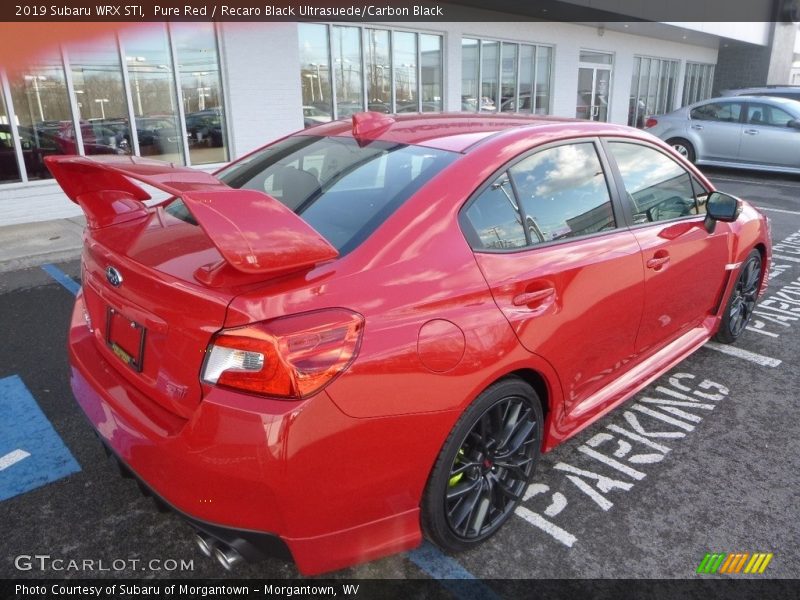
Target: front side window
x=563 y=193
x=658 y=188
x=764 y=114
x=725 y=112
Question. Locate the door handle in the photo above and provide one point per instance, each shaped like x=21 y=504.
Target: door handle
x=657 y=262
x=528 y=298
x=751 y=131
x=698 y=127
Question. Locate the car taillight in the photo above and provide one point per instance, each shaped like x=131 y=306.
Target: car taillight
x=650 y=122
x=290 y=357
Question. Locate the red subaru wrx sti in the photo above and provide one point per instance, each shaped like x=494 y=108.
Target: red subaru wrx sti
x=370 y=330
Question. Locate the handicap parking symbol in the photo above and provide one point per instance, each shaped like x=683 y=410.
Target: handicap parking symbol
x=31 y=452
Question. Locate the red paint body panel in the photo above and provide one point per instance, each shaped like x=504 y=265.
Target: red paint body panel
x=441 y=324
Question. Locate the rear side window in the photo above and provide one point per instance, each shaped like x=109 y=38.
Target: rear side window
x=725 y=112
x=555 y=194
x=343 y=190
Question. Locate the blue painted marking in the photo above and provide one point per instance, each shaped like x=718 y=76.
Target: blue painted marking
x=62 y=278
x=25 y=429
x=451 y=575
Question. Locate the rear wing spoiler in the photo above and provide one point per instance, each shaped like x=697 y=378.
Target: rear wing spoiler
x=253 y=231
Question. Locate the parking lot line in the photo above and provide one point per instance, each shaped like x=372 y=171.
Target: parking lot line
x=755 y=182
x=759 y=359
x=13 y=458
x=782 y=257
x=65 y=280
x=779 y=210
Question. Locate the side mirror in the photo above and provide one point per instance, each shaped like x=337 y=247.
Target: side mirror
x=794 y=124
x=721 y=207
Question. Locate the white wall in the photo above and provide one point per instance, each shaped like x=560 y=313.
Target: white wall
x=260 y=63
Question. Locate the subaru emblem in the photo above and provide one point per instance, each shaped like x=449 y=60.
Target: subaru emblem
x=114 y=277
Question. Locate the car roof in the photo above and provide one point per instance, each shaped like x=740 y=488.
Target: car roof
x=459 y=132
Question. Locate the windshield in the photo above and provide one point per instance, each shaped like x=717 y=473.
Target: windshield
x=341 y=189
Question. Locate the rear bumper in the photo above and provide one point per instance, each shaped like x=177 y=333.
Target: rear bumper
x=225 y=469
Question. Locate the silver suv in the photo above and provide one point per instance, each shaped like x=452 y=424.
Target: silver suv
x=781 y=91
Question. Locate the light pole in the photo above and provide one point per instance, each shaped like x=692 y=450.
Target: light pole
x=136 y=59
x=36 y=79
x=102 y=103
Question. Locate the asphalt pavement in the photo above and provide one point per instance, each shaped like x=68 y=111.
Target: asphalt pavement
x=705 y=460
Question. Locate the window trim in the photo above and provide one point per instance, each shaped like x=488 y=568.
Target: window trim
x=623 y=192
x=470 y=234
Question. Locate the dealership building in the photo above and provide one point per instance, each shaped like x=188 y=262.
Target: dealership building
x=202 y=94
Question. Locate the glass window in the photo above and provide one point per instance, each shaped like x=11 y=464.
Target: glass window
x=527 y=66
x=347 y=66
x=9 y=169
x=544 y=67
x=405 y=72
x=657 y=187
x=652 y=88
x=315 y=76
x=430 y=48
x=100 y=97
x=508 y=77
x=697 y=82
x=563 y=193
x=726 y=112
x=201 y=88
x=44 y=117
x=469 y=74
x=490 y=66
x=378 y=70
x=343 y=190
x=493 y=220
x=764 y=114
x=153 y=93
x=600 y=58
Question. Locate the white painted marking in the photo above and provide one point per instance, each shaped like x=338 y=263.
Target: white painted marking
x=662 y=417
x=565 y=537
x=601 y=500
x=677 y=403
x=12 y=458
x=779 y=210
x=634 y=422
x=762 y=331
x=614 y=464
x=782 y=257
x=559 y=503
x=682 y=414
x=759 y=359
x=638 y=438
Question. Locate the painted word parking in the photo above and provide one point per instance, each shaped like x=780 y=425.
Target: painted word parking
x=652 y=422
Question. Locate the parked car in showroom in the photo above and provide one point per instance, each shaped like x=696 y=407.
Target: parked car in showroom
x=369 y=331
x=744 y=132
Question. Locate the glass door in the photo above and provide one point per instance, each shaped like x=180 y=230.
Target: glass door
x=594 y=85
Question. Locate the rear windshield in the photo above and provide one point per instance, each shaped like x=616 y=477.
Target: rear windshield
x=341 y=189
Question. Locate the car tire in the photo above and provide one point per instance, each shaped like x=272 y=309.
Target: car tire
x=684 y=148
x=742 y=301
x=484 y=467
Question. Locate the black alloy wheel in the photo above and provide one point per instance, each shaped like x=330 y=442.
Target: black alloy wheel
x=742 y=301
x=485 y=466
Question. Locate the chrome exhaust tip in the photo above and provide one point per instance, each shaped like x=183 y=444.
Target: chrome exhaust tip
x=227 y=557
x=206 y=543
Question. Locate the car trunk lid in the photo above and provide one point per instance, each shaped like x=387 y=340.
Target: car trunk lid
x=157 y=288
